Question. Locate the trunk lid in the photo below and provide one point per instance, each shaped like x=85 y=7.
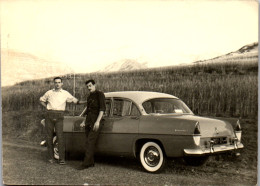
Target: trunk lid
x=209 y=127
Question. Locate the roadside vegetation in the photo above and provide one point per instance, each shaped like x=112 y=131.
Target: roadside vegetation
x=217 y=89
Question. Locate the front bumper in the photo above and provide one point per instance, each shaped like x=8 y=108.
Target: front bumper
x=212 y=150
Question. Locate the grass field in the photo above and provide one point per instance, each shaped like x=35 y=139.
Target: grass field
x=217 y=89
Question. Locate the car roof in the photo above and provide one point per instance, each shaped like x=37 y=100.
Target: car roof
x=138 y=96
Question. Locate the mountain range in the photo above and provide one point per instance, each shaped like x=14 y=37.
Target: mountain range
x=17 y=66
x=250 y=50
x=133 y=64
x=124 y=65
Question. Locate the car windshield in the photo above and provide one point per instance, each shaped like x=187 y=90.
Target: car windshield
x=166 y=106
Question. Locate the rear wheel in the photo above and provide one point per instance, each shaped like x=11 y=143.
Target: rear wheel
x=152 y=157
x=196 y=161
x=55 y=148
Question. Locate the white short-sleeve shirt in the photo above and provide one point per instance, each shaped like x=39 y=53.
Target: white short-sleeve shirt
x=56 y=99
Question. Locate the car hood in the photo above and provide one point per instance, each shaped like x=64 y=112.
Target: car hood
x=208 y=126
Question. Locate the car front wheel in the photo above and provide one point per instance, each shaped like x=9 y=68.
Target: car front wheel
x=152 y=157
x=55 y=148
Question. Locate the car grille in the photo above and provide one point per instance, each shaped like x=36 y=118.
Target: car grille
x=219 y=141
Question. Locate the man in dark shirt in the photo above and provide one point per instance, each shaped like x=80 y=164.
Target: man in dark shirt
x=95 y=110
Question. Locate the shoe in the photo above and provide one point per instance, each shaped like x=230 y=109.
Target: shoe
x=43 y=143
x=82 y=167
x=62 y=162
x=51 y=161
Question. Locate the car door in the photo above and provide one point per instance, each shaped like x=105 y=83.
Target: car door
x=117 y=135
x=78 y=137
x=74 y=134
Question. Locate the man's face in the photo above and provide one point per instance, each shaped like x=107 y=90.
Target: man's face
x=91 y=87
x=57 y=84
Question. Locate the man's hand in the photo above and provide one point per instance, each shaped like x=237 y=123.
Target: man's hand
x=82 y=124
x=78 y=102
x=96 y=126
x=43 y=104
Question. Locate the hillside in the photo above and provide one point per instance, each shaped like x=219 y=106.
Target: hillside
x=247 y=53
x=124 y=65
x=13 y=67
x=250 y=52
x=18 y=67
x=234 y=78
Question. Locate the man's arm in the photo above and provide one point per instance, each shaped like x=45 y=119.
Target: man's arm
x=43 y=104
x=44 y=99
x=72 y=99
x=81 y=102
x=102 y=109
x=97 y=123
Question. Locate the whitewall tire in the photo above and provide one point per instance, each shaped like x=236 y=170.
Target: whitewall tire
x=55 y=148
x=152 y=157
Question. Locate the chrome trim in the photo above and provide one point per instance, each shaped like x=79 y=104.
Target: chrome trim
x=219 y=148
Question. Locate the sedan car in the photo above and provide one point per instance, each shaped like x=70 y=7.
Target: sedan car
x=153 y=127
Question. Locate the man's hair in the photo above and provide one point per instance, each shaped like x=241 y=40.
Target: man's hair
x=57 y=78
x=90 y=81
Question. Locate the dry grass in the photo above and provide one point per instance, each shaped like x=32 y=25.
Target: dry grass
x=217 y=89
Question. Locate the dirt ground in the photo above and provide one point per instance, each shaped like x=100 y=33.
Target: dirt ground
x=24 y=163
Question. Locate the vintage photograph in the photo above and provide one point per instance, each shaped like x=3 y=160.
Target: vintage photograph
x=161 y=92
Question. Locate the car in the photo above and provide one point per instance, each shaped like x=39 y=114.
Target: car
x=154 y=127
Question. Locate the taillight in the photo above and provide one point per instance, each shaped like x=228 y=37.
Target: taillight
x=196 y=136
x=197 y=128
x=238 y=131
x=238 y=126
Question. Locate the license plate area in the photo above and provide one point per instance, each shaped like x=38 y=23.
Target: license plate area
x=219 y=140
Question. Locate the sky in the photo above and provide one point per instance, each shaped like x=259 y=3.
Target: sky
x=88 y=35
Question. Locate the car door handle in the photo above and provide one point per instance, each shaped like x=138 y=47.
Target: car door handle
x=134 y=117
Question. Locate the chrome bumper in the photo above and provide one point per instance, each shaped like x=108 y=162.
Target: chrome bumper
x=214 y=149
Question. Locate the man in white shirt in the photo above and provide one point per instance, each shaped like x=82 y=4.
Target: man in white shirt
x=55 y=102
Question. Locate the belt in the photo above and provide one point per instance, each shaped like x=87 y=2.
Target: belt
x=56 y=111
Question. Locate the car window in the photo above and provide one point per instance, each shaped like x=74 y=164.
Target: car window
x=108 y=106
x=121 y=107
x=148 y=107
x=135 y=111
x=77 y=126
x=165 y=106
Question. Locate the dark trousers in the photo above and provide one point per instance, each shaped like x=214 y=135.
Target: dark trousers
x=54 y=119
x=91 y=139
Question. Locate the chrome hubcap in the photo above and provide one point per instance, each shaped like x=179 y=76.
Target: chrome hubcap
x=56 y=148
x=152 y=156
